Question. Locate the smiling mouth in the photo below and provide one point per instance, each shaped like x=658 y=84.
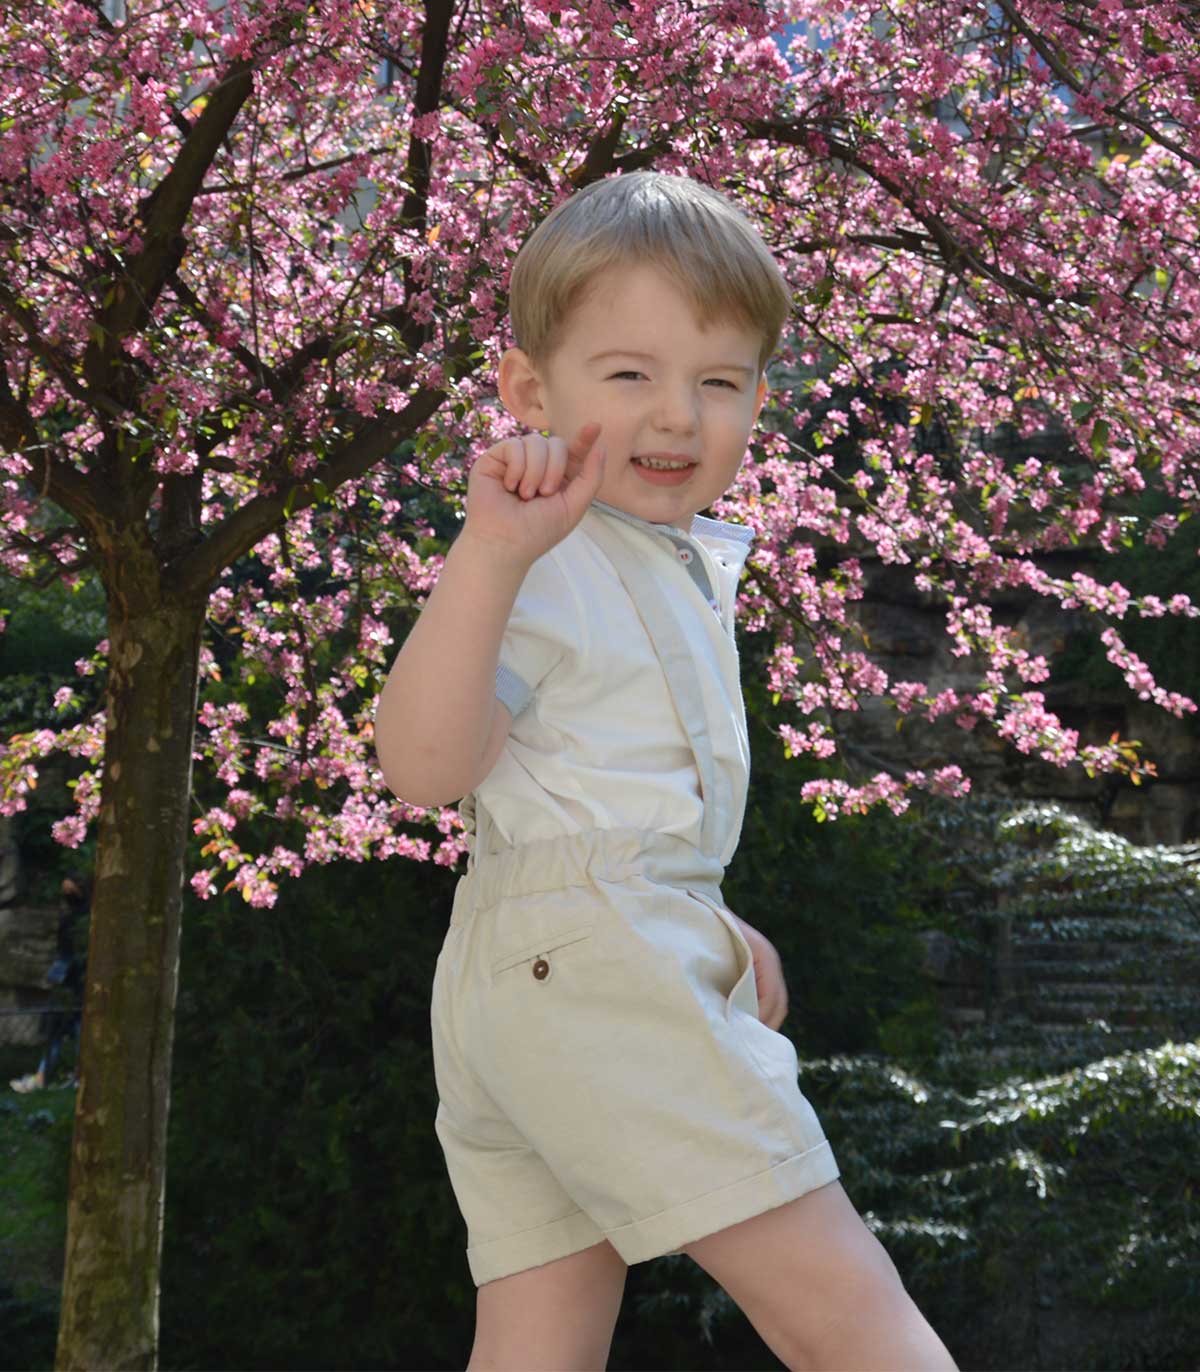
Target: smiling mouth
x=656 y=464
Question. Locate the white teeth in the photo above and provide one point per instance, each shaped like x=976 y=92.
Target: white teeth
x=663 y=466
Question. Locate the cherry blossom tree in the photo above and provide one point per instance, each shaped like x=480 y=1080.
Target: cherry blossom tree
x=255 y=262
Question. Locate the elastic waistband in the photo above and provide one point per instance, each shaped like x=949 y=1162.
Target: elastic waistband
x=549 y=864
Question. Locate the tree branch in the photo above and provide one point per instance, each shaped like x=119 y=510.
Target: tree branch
x=27 y=321
x=254 y=366
x=179 y=119
x=1044 y=50
x=957 y=256
x=50 y=476
x=163 y=214
x=194 y=572
x=297 y=173
x=426 y=98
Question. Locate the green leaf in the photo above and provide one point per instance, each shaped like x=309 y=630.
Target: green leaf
x=820 y=293
x=1100 y=433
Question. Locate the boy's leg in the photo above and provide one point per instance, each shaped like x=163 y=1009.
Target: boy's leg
x=558 y=1317
x=820 y=1289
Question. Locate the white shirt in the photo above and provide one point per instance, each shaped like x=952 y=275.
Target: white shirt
x=597 y=741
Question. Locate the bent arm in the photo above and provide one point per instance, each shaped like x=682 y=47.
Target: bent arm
x=437 y=718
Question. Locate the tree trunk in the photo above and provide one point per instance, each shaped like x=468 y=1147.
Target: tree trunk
x=118 y=1154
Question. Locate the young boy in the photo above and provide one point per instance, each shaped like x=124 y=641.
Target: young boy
x=611 y=1084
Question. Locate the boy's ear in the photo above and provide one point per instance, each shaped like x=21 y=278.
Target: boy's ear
x=521 y=389
x=760 y=396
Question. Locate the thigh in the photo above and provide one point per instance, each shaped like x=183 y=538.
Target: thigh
x=558 y=1317
x=791 y=1269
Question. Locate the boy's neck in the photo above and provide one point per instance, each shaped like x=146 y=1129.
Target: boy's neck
x=637 y=519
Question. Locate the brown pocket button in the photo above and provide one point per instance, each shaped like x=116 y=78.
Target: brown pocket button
x=541 y=969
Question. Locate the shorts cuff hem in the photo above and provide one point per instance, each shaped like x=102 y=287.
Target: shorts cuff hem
x=669 y=1230
x=532 y=1248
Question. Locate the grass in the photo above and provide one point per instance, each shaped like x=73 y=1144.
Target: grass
x=33 y=1216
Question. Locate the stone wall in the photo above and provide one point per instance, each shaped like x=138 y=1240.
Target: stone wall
x=27 y=948
x=906 y=636
x=28 y=945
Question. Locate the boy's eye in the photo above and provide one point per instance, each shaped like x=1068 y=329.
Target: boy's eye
x=720 y=380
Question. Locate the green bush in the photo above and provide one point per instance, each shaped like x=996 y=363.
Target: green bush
x=1033 y=1217
x=307 y=1217
x=34 y=1154
x=30 y=1325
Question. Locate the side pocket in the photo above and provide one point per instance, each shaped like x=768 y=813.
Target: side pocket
x=744 y=993
x=541 y=956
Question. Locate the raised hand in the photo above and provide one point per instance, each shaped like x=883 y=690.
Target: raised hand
x=526 y=494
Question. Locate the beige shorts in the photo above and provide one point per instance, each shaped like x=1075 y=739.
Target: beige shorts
x=601 y=1067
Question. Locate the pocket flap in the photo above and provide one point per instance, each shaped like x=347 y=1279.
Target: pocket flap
x=548 y=944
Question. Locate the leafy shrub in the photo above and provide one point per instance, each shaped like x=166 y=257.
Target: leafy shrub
x=1031 y=1216
x=30 y=1324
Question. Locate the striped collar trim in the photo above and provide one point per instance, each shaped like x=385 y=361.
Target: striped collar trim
x=701 y=524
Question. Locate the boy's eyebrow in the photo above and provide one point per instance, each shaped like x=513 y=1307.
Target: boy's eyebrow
x=649 y=357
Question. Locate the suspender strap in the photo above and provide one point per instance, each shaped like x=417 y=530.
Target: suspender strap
x=678 y=665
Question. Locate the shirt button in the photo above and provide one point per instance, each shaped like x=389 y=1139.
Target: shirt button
x=541 y=969
x=685 y=554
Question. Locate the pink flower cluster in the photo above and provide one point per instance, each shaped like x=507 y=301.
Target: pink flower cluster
x=989 y=255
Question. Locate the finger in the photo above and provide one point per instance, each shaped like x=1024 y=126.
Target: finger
x=512 y=453
x=535 y=465
x=582 y=488
x=583 y=443
x=556 y=465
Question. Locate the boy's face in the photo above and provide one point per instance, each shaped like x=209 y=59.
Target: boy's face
x=664 y=389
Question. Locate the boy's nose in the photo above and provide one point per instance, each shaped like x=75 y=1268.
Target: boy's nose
x=676 y=413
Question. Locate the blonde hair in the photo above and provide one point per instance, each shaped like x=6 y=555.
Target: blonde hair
x=704 y=242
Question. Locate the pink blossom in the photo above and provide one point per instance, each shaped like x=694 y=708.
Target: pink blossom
x=320 y=286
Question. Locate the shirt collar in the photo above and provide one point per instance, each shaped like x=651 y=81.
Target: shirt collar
x=701 y=524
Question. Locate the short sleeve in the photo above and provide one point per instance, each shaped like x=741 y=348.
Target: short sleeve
x=538 y=634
